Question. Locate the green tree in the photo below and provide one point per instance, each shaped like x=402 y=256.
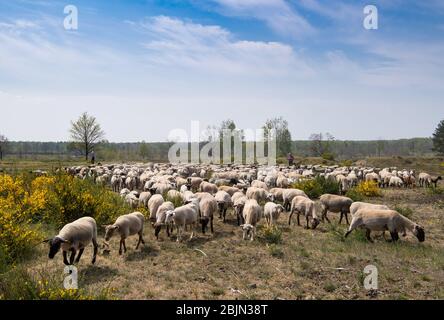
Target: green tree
x=144 y=150
x=283 y=134
x=3 y=146
x=86 y=133
x=321 y=144
x=438 y=138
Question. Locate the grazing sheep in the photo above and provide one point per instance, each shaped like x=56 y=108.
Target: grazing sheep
x=278 y=194
x=335 y=204
x=259 y=184
x=252 y=215
x=132 y=200
x=208 y=208
x=161 y=217
x=272 y=212
x=385 y=220
x=424 y=179
x=363 y=205
x=259 y=194
x=288 y=196
x=186 y=215
x=305 y=206
x=126 y=226
x=396 y=182
x=153 y=205
x=230 y=190
x=435 y=180
x=224 y=202
x=195 y=183
x=73 y=237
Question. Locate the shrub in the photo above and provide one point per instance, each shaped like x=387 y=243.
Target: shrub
x=318 y=186
x=328 y=156
x=435 y=190
x=366 y=189
x=271 y=235
x=275 y=251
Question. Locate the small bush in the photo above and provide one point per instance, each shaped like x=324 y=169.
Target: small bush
x=328 y=156
x=405 y=211
x=435 y=190
x=330 y=287
x=271 y=235
x=275 y=251
x=346 y=163
x=318 y=186
x=366 y=189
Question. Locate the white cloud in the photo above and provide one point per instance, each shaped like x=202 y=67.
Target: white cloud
x=212 y=48
x=277 y=14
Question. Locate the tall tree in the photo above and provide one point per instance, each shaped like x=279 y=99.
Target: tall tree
x=283 y=134
x=3 y=145
x=438 y=138
x=86 y=133
x=144 y=150
x=321 y=144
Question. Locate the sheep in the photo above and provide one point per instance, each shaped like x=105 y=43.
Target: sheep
x=252 y=215
x=230 y=190
x=363 y=205
x=238 y=205
x=396 y=182
x=161 y=217
x=278 y=194
x=73 y=237
x=126 y=226
x=184 y=216
x=208 y=208
x=195 y=183
x=272 y=212
x=424 y=179
x=173 y=195
x=282 y=182
x=153 y=205
x=208 y=187
x=336 y=204
x=385 y=220
x=144 y=198
x=224 y=202
x=259 y=194
x=132 y=200
x=435 y=180
x=259 y=184
x=288 y=196
x=305 y=206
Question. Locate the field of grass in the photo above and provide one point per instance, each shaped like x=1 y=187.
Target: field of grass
x=306 y=264
x=299 y=264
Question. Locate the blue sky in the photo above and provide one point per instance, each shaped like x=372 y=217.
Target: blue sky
x=144 y=68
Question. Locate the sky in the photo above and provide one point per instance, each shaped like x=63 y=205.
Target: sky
x=146 y=67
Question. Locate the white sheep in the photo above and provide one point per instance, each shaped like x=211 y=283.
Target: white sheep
x=161 y=217
x=335 y=204
x=208 y=209
x=396 y=182
x=238 y=205
x=259 y=194
x=73 y=237
x=252 y=215
x=153 y=205
x=288 y=196
x=385 y=220
x=272 y=212
x=144 y=198
x=186 y=215
x=363 y=205
x=126 y=226
x=306 y=207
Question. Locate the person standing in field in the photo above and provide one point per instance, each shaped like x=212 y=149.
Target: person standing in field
x=93 y=157
x=290 y=159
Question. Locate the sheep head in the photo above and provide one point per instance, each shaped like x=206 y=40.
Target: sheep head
x=109 y=232
x=55 y=245
x=419 y=232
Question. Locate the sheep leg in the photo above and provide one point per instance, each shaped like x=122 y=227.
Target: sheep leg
x=124 y=245
x=96 y=249
x=80 y=255
x=212 y=225
x=326 y=218
x=253 y=233
x=342 y=216
x=291 y=216
x=308 y=225
x=225 y=215
x=395 y=236
x=368 y=235
x=120 y=248
x=73 y=256
x=65 y=258
x=140 y=241
x=299 y=219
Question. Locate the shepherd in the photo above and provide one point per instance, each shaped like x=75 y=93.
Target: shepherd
x=290 y=159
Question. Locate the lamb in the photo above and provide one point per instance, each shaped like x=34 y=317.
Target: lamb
x=396 y=182
x=272 y=212
x=186 y=215
x=208 y=208
x=126 y=226
x=435 y=180
x=259 y=194
x=224 y=202
x=383 y=220
x=289 y=194
x=73 y=237
x=424 y=179
x=305 y=206
x=153 y=205
x=363 y=205
x=336 y=204
x=252 y=214
x=161 y=217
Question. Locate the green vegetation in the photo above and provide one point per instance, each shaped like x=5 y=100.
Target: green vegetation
x=314 y=188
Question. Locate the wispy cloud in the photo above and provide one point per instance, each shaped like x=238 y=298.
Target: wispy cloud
x=212 y=48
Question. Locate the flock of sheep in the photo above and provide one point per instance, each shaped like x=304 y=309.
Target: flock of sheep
x=254 y=193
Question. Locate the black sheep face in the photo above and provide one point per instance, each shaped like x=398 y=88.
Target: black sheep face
x=420 y=233
x=54 y=247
